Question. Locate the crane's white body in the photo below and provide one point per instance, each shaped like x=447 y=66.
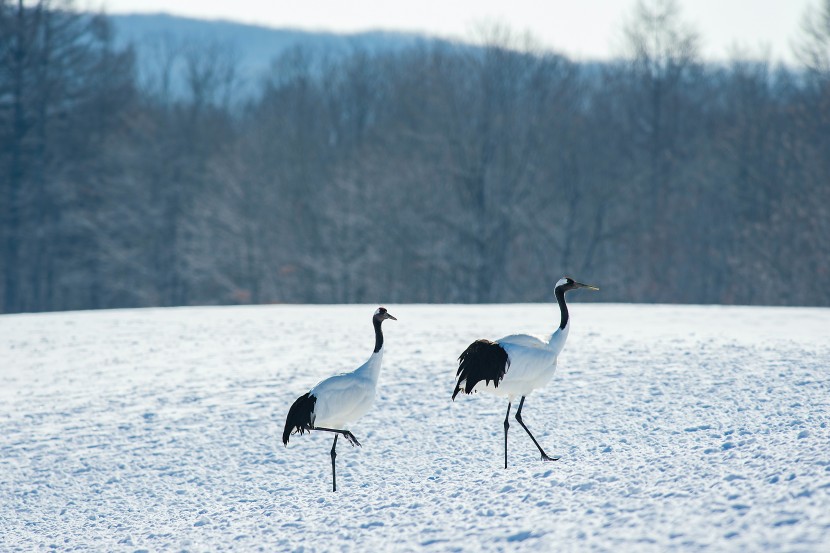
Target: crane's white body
x=336 y=402
x=516 y=365
x=343 y=398
x=532 y=363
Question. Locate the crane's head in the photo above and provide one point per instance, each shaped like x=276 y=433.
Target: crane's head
x=382 y=314
x=566 y=284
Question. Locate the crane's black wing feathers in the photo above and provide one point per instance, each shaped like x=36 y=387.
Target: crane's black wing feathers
x=299 y=417
x=483 y=360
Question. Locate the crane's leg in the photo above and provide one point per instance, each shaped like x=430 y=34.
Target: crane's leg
x=349 y=436
x=333 y=471
x=519 y=418
x=352 y=440
x=506 y=426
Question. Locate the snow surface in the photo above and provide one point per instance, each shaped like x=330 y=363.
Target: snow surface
x=680 y=428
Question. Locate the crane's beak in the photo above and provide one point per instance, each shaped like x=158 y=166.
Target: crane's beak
x=588 y=286
x=388 y=316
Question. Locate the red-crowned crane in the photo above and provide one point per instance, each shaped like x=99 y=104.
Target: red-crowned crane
x=336 y=402
x=516 y=365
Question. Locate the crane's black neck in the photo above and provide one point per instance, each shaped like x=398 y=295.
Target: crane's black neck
x=378 y=334
x=563 y=307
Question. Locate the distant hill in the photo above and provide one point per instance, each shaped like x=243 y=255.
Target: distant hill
x=255 y=46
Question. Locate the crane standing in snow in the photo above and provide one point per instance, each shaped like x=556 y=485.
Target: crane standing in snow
x=516 y=365
x=339 y=400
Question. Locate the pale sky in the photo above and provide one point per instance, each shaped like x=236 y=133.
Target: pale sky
x=582 y=29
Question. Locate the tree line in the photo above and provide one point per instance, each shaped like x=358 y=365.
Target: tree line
x=440 y=172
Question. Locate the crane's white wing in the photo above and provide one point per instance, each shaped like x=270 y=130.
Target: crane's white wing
x=530 y=367
x=525 y=340
x=342 y=399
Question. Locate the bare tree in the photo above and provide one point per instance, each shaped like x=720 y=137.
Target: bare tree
x=665 y=69
x=813 y=47
x=437 y=172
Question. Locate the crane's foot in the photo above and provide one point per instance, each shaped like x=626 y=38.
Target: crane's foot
x=546 y=458
x=352 y=439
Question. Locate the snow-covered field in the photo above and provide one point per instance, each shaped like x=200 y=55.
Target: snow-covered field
x=680 y=428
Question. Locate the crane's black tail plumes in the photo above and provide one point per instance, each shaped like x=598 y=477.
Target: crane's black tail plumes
x=299 y=417
x=483 y=360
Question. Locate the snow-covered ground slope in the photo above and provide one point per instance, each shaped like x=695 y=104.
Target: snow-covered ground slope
x=680 y=428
